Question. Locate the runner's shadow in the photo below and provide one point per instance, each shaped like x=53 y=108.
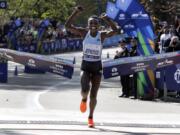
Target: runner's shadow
x=8 y=132
x=120 y=132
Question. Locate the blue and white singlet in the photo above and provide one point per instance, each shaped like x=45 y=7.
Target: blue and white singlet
x=92 y=47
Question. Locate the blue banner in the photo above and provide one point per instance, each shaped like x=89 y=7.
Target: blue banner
x=130 y=29
x=137 y=16
x=173 y=78
x=169 y=75
x=124 y=4
x=3 y=71
x=51 y=47
x=129 y=6
x=130 y=65
x=54 y=65
x=121 y=17
x=131 y=16
x=11 y=39
x=42 y=28
x=44 y=24
x=111 y=10
x=125 y=66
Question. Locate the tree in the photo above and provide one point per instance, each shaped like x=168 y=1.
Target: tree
x=56 y=9
x=91 y=7
x=161 y=9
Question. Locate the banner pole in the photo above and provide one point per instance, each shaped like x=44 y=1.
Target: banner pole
x=164 y=84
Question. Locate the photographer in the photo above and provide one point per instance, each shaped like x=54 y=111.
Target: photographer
x=164 y=38
x=174 y=44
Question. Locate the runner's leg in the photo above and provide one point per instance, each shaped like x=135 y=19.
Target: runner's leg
x=85 y=85
x=95 y=80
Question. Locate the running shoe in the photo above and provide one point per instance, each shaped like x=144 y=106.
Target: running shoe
x=90 y=123
x=83 y=106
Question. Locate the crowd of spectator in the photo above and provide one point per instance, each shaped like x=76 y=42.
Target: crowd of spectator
x=168 y=36
x=28 y=34
x=167 y=40
x=55 y=38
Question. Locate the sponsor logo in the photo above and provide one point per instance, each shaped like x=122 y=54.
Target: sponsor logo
x=139 y=15
x=140 y=67
x=122 y=16
x=58 y=69
x=114 y=71
x=140 y=64
x=165 y=63
x=177 y=76
x=129 y=26
x=31 y=63
x=59 y=66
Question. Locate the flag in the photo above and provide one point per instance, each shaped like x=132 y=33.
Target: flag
x=136 y=22
x=112 y=10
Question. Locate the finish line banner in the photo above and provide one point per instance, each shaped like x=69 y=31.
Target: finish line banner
x=50 y=64
x=131 y=65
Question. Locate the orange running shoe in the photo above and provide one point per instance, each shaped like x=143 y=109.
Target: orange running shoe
x=83 y=106
x=90 y=123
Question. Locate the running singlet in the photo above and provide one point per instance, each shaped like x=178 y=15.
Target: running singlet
x=92 y=48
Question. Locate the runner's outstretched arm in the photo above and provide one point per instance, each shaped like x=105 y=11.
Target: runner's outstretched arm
x=114 y=29
x=69 y=23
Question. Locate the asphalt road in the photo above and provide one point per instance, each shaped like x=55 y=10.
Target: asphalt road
x=32 y=104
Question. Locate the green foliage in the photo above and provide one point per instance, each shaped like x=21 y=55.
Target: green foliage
x=56 y=9
x=91 y=7
x=161 y=9
x=61 y=9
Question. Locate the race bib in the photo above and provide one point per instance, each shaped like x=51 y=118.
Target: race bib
x=93 y=50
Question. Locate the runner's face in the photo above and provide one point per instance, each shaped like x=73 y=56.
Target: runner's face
x=93 y=25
